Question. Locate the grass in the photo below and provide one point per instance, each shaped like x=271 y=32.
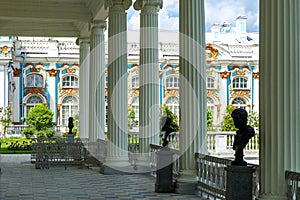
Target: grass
x=15 y=146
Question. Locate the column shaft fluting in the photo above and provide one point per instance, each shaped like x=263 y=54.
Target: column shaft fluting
x=97 y=81
x=149 y=73
x=84 y=45
x=279 y=88
x=117 y=79
x=192 y=81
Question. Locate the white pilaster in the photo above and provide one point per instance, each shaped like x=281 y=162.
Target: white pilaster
x=279 y=95
x=117 y=85
x=84 y=87
x=192 y=90
x=16 y=96
x=149 y=73
x=52 y=91
x=256 y=92
x=97 y=81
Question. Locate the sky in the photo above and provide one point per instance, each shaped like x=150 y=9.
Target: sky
x=216 y=11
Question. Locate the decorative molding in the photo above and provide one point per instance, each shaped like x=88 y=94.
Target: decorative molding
x=154 y=5
x=241 y=93
x=70 y=70
x=224 y=75
x=17 y=72
x=213 y=52
x=134 y=93
x=213 y=94
x=69 y=91
x=172 y=92
x=240 y=72
x=34 y=69
x=256 y=75
x=35 y=90
x=52 y=72
x=208 y=72
x=5 y=51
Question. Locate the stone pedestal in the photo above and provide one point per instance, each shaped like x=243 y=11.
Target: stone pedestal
x=221 y=143
x=239 y=182
x=70 y=138
x=164 y=173
x=70 y=141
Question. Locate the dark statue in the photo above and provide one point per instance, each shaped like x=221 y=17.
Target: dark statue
x=167 y=128
x=70 y=125
x=243 y=135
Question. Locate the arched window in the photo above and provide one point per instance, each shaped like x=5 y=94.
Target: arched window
x=239 y=102
x=31 y=102
x=210 y=83
x=70 y=81
x=173 y=103
x=69 y=108
x=239 y=83
x=34 y=80
x=135 y=82
x=135 y=107
x=172 y=82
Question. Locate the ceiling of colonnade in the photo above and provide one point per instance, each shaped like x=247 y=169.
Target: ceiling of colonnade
x=49 y=18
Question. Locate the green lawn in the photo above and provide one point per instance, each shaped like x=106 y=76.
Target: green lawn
x=15 y=146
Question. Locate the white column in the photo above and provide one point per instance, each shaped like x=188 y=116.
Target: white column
x=149 y=73
x=97 y=81
x=117 y=86
x=223 y=93
x=52 y=90
x=16 y=96
x=256 y=92
x=192 y=90
x=84 y=87
x=279 y=95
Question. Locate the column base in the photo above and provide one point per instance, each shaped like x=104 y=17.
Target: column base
x=272 y=197
x=186 y=183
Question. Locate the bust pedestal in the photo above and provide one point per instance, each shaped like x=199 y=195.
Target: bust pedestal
x=239 y=182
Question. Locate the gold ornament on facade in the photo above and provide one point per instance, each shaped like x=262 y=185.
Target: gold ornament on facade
x=210 y=93
x=70 y=70
x=241 y=93
x=256 y=75
x=17 y=72
x=208 y=72
x=224 y=75
x=35 y=91
x=106 y=91
x=52 y=72
x=134 y=93
x=5 y=51
x=34 y=69
x=172 y=93
x=68 y=92
x=240 y=72
x=213 y=52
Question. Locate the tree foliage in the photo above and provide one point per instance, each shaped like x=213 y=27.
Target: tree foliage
x=167 y=112
x=39 y=118
x=227 y=123
x=253 y=119
x=209 y=118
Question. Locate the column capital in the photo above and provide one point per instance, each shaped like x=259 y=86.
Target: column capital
x=82 y=40
x=99 y=24
x=147 y=5
x=120 y=5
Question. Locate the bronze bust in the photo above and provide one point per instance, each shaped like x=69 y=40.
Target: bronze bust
x=167 y=128
x=243 y=135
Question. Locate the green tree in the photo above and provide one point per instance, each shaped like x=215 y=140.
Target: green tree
x=209 y=117
x=5 y=118
x=39 y=118
x=253 y=119
x=167 y=112
x=131 y=117
x=227 y=123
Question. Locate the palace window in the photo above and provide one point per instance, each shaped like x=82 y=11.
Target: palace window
x=70 y=108
x=31 y=102
x=172 y=82
x=34 y=80
x=210 y=83
x=239 y=102
x=70 y=81
x=135 y=82
x=135 y=107
x=210 y=104
x=240 y=83
x=173 y=103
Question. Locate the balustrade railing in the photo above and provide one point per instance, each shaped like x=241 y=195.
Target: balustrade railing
x=292 y=185
x=212 y=175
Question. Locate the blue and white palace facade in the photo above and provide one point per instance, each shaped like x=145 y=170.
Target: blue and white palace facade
x=46 y=70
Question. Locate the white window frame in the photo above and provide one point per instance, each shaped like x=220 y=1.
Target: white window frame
x=34 y=80
x=68 y=106
x=172 y=82
x=240 y=84
x=75 y=82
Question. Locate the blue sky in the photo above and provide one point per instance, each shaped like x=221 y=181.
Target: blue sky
x=216 y=11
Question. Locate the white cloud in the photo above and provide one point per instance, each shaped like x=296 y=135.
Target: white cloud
x=216 y=11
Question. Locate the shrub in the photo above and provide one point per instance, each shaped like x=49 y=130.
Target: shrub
x=40 y=133
x=28 y=132
x=50 y=133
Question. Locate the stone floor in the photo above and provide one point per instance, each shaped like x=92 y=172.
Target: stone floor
x=20 y=180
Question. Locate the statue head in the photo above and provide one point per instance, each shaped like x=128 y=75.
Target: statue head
x=239 y=117
x=166 y=123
